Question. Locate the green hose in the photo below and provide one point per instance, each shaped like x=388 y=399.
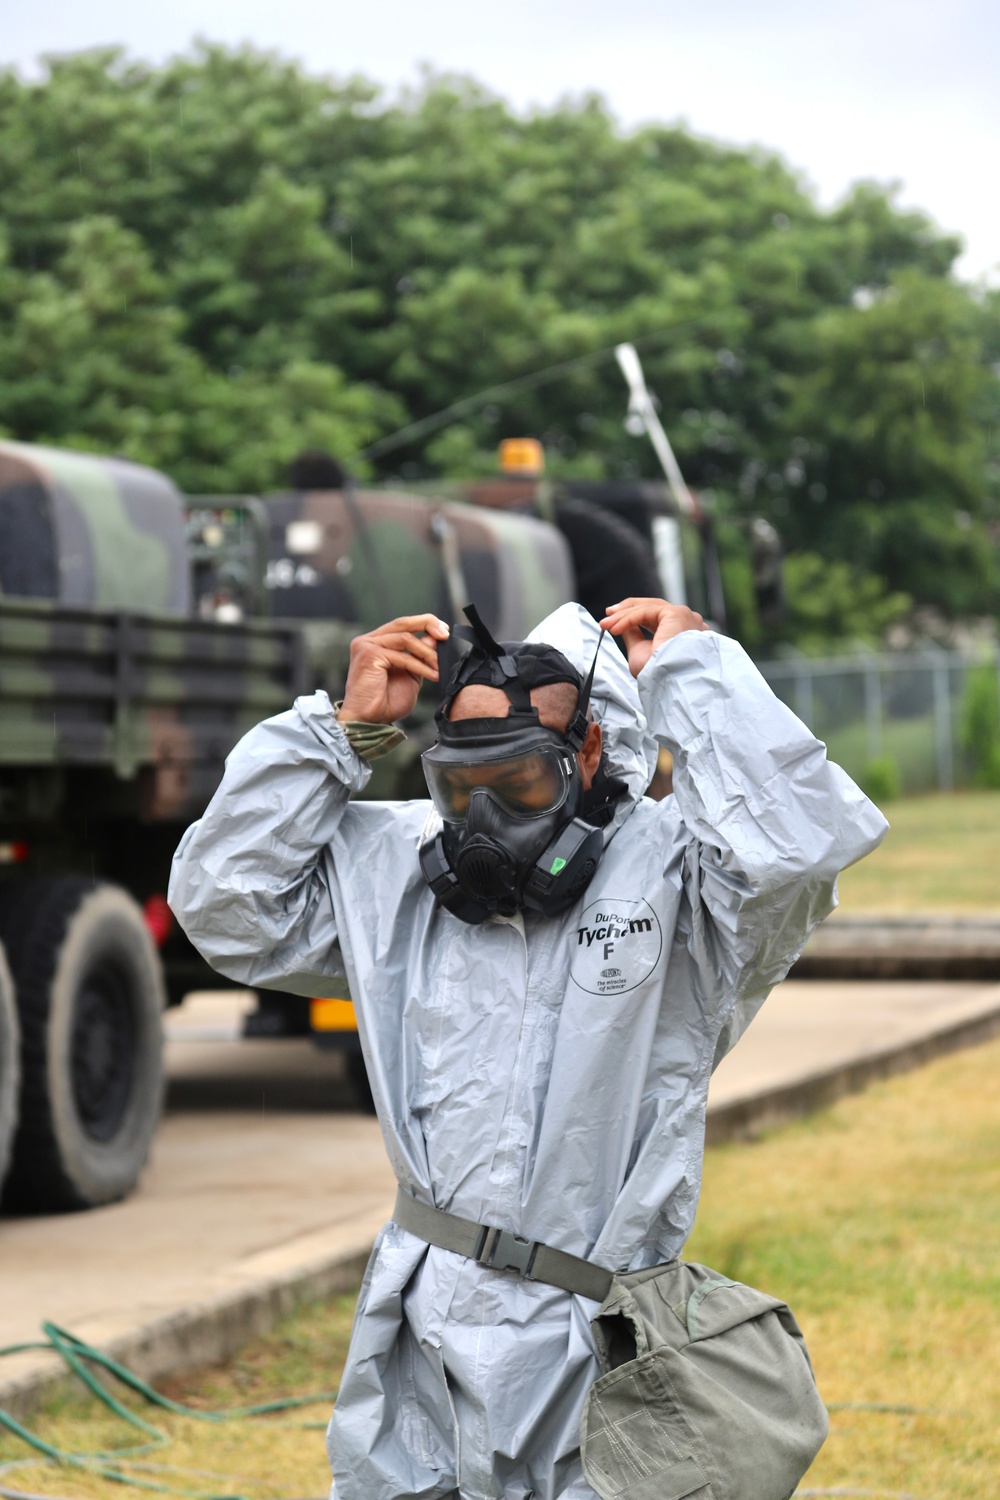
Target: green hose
x=124 y=1465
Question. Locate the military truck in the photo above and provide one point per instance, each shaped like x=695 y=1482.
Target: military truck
x=130 y=663
x=117 y=707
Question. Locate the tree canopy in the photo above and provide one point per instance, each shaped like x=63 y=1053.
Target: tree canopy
x=211 y=265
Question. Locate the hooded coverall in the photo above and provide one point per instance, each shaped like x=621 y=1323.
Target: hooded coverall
x=545 y=1075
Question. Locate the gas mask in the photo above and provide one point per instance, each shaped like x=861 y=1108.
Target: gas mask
x=509 y=791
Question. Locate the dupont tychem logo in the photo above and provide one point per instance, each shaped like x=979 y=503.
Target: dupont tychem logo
x=615 y=946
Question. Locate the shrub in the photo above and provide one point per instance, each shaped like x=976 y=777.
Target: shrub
x=980 y=727
x=880 y=780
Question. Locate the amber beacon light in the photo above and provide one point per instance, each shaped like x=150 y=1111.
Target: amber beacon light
x=521 y=456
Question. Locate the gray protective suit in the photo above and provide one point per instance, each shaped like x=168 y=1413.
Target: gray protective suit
x=545 y=1075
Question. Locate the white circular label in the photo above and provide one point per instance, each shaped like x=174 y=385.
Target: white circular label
x=615 y=946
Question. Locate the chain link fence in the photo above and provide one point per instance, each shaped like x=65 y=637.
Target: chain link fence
x=898 y=715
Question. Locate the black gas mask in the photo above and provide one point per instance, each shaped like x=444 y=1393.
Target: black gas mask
x=509 y=791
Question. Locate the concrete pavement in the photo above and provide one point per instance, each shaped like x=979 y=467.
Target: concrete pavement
x=265 y=1186
x=816 y=1040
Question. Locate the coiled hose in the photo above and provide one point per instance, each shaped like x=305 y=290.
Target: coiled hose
x=127 y=1465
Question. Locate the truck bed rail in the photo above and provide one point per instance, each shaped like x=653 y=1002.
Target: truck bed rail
x=80 y=687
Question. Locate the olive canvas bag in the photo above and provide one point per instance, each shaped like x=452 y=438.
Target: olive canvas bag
x=707 y=1391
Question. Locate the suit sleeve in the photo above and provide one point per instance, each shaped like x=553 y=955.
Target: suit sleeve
x=248 y=883
x=770 y=821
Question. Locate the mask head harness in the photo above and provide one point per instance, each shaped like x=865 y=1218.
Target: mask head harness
x=509 y=789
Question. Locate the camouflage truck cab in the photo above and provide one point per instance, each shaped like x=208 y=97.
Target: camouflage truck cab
x=99 y=533
x=117 y=709
x=365 y=556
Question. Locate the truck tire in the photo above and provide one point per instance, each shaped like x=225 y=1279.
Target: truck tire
x=610 y=558
x=10 y=1065
x=358 y=1075
x=90 y=994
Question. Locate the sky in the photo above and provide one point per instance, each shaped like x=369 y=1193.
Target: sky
x=899 y=92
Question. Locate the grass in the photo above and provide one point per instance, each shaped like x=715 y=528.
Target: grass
x=261 y=1458
x=879 y=1222
x=942 y=852
x=877 y=1219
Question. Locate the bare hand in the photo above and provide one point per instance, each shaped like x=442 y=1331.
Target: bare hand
x=388 y=666
x=632 y=617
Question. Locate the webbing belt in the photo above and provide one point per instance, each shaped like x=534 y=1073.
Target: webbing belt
x=501 y=1250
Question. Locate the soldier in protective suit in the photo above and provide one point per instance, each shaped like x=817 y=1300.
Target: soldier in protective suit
x=546 y=967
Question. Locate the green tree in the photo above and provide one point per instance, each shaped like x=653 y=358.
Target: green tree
x=213 y=262
x=93 y=356
x=896 y=453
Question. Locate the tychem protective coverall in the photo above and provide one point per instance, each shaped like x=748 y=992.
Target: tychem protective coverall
x=546 y=1075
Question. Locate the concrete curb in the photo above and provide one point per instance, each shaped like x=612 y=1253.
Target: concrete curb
x=205 y=1333
x=255 y=1294
x=918 y=946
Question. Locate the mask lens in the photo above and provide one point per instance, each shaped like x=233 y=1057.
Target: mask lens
x=526 y=785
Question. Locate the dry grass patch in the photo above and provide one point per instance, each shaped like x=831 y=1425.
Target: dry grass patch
x=879 y=1221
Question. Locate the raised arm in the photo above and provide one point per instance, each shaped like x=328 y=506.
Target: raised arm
x=772 y=820
x=248 y=884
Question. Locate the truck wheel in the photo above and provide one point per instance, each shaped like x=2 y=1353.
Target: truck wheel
x=358 y=1074
x=90 y=994
x=10 y=1065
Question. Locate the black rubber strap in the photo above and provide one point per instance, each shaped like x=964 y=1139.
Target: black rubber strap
x=501 y=1250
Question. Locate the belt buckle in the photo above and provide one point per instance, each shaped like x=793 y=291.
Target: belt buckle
x=503 y=1251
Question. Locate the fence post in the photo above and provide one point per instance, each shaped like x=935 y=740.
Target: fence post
x=942 y=723
x=873 y=707
x=798 y=677
x=804 y=694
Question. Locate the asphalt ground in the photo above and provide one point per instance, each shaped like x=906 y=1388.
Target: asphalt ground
x=266 y=1183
